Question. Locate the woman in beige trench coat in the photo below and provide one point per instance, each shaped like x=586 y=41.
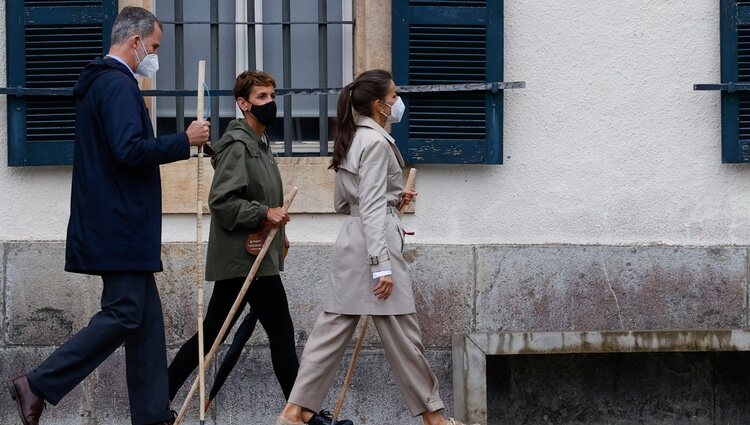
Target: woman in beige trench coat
x=369 y=275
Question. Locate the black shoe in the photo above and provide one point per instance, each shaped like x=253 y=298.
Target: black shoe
x=170 y=421
x=325 y=418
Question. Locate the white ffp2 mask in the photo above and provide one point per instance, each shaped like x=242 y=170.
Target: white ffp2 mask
x=147 y=66
x=397 y=111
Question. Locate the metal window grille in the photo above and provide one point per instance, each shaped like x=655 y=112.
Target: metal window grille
x=288 y=146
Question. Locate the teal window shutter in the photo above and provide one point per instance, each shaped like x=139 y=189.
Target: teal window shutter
x=449 y=42
x=48 y=44
x=735 y=68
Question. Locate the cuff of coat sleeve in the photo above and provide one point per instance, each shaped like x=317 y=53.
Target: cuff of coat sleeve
x=186 y=146
x=263 y=212
x=378 y=275
x=381 y=267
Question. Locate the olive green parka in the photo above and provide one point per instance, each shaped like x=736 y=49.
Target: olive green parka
x=246 y=184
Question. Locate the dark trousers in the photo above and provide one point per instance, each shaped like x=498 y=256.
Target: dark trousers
x=267 y=298
x=131 y=314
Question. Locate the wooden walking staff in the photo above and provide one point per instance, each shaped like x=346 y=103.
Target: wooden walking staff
x=363 y=331
x=235 y=307
x=199 y=243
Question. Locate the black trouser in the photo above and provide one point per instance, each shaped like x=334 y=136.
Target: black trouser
x=130 y=313
x=267 y=298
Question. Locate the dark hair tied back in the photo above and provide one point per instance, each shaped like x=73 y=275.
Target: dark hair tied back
x=356 y=96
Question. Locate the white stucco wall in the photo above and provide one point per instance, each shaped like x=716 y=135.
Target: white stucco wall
x=608 y=144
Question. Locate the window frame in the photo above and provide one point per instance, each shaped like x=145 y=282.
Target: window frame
x=253 y=24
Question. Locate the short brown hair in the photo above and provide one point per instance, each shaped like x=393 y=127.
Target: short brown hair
x=249 y=79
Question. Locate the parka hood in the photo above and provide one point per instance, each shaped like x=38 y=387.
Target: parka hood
x=237 y=130
x=94 y=69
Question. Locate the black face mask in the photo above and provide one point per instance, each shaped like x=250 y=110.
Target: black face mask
x=266 y=114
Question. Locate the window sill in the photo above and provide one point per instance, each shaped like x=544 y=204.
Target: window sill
x=310 y=174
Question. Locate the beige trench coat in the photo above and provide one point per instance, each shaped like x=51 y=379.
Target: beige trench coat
x=369 y=186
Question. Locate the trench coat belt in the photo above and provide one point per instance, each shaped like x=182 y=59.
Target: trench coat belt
x=354 y=210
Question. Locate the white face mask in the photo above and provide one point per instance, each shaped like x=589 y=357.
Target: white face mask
x=148 y=65
x=397 y=111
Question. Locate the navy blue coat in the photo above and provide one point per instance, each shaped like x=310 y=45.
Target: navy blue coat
x=115 y=205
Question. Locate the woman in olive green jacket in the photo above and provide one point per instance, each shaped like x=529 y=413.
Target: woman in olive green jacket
x=246 y=197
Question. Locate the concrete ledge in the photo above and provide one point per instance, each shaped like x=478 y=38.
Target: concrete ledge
x=470 y=351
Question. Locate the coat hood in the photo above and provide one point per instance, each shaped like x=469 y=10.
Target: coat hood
x=237 y=130
x=96 y=68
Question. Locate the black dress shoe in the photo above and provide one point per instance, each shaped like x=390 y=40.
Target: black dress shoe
x=172 y=420
x=30 y=406
x=169 y=422
x=325 y=418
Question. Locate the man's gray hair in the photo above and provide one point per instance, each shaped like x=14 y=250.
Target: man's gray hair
x=133 y=21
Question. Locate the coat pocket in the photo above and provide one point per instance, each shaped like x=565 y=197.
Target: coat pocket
x=400 y=231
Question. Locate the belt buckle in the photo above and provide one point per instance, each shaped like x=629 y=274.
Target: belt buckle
x=375 y=260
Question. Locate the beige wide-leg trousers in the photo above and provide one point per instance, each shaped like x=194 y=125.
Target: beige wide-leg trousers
x=402 y=342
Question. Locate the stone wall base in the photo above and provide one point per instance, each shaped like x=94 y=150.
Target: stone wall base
x=458 y=289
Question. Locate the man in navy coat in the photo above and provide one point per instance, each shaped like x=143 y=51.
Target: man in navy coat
x=115 y=227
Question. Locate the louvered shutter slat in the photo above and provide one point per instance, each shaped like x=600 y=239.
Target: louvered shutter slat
x=743 y=66
x=454 y=3
x=448 y=42
x=56 y=39
x=743 y=74
x=61 y=3
x=735 y=68
x=43 y=48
